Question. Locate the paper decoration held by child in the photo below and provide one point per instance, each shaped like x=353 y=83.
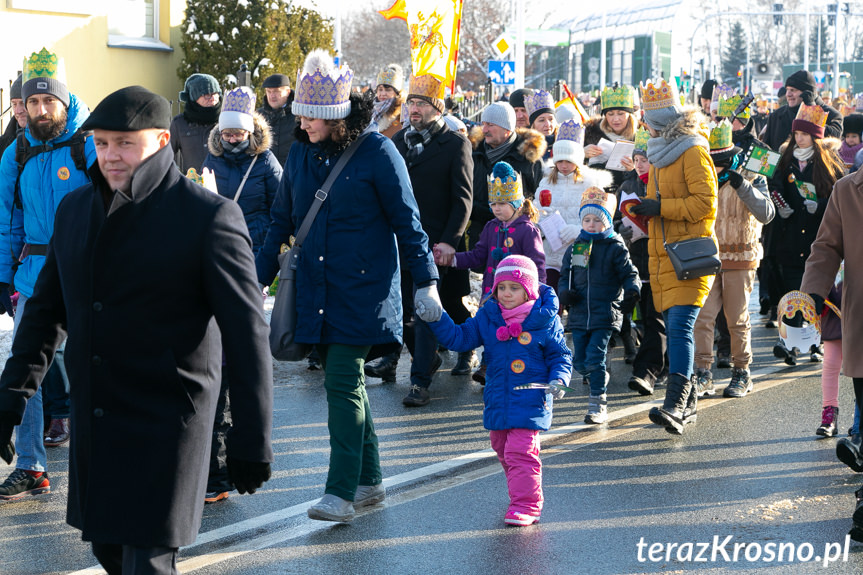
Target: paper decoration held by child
x=581 y=254
x=761 y=161
x=207 y=178
x=809 y=333
x=627 y=202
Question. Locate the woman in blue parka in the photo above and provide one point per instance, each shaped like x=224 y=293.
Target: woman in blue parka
x=240 y=155
x=348 y=284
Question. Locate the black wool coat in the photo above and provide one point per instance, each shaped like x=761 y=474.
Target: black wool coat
x=143 y=292
x=779 y=123
x=282 y=123
x=442 y=180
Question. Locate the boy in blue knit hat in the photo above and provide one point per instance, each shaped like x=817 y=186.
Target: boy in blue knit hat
x=596 y=278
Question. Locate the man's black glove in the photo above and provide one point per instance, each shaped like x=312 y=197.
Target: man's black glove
x=647 y=207
x=735 y=179
x=5 y=300
x=819 y=302
x=568 y=298
x=808 y=97
x=7 y=424
x=247 y=476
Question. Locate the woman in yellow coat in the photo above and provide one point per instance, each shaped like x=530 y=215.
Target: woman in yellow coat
x=684 y=174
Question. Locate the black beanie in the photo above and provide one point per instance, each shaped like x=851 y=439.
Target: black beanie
x=277 y=81
x=15 y=90
x=707 y=89
x=852 y=124
x=516 y=99
x=803 y=80
x=130 y=109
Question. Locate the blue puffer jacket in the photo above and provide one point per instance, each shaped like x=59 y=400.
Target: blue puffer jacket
x=348 y=284
x=45 y=181
x=599 y=287
x=260 y=188
x=538 y=355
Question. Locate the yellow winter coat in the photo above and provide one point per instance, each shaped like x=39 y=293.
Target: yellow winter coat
x=688 y=192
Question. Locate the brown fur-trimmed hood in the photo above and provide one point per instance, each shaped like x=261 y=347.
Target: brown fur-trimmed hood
x=259 y=140
x=529 y=143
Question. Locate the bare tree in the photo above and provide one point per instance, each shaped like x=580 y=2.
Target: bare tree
x=370 y=42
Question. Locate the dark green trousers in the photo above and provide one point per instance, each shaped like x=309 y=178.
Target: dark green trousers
x=354 y=458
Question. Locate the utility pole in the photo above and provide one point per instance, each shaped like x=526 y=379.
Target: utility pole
x=836 y=52
x=519 y=44
x=602 y=54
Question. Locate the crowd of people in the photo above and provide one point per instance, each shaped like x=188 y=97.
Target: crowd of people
x=567 y=219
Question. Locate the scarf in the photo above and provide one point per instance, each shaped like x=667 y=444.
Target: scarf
x=663 y=153
x=589 y=237
x=848 y=154
x=494 y=155
x=417 y=140
x=237 y=148
x=200 y=115
x=513 y=319
x=643 y=177
x=804 y=154
x=723 y=177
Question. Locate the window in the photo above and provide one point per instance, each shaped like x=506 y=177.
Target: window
x=134 y=24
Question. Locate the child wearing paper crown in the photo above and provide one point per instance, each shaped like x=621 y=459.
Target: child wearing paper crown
x=512 y=231
x=560 y=191
x=651 y=362
x=524 y=343
x=800 y=188
x=596 y=280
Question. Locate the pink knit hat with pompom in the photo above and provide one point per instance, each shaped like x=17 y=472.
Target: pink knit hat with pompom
x=519 y=269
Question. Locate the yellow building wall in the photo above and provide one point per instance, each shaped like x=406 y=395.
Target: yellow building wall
x=93 y=69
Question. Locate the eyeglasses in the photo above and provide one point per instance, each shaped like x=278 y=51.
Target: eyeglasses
x=421 y=104
x=231 y=135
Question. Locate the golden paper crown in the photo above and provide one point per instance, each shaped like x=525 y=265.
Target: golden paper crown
x=193 y=175
x=43 y=64
x=656 y=97
x=728 y=105
x=392 y=75
x=798 y=301
x=813 y=114
x=506 y=186
x=594 y=196
x=720 y=136
x=621 y=97
x=641 y=138
x=426 y=86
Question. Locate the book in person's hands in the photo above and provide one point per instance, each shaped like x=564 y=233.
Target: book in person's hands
x=622 y=149
x=607 y=146
x=761 y=160
x=636 y=222
x=551 y=226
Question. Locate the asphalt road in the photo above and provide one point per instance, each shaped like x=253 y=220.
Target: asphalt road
x=622 y=498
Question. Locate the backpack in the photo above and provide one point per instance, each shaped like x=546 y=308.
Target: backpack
x=24 y=151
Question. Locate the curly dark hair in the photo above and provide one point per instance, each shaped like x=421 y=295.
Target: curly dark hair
x=346 y=130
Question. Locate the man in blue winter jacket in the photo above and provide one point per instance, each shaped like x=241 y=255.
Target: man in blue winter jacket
x=28 y=201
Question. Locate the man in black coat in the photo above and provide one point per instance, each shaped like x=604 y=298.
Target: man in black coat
x=19 y=113
x=799 y=89
x=440 y=167
x=277 y=111
x=144 y=270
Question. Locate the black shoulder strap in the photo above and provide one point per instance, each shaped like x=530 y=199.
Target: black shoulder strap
x=24 y=151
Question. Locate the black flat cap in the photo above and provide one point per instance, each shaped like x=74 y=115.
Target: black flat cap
x=130 y=109
x=277 y=81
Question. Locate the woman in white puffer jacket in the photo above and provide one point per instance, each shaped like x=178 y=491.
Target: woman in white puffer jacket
x=560 y=191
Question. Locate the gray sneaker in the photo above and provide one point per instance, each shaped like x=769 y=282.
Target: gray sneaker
x=702 y=379
x=369 y=495
x=740 y=383
x=597 y=409
x=332 y=508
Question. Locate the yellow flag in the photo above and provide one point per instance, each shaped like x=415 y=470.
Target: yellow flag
x=434 y=27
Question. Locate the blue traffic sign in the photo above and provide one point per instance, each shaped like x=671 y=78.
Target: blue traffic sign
x=502 y=72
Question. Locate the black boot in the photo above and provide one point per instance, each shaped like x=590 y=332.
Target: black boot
x=856 y=532
x=467 y=360
x=848 y=450
x=679 y=408
x=642 y=385
x=385 y=368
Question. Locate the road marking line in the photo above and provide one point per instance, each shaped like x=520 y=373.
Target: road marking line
x=577 y=434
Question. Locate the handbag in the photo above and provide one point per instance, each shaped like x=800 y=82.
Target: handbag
x=283 y=322
x=692 y=258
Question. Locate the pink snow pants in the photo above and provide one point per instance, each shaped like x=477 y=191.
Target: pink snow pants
x=518 y=452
